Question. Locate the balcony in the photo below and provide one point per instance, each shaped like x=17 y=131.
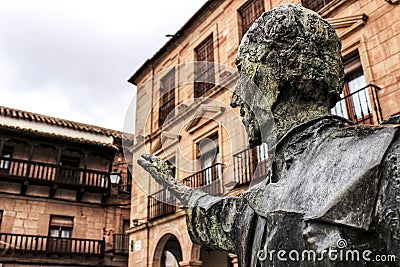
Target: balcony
x=38 y=173
x=208 y=179
x=17 y=243
x=250 y=164
x=121 y=244
x=358 y=108
x=160 y=204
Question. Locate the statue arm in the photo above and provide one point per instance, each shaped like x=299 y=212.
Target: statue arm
x=210 y=219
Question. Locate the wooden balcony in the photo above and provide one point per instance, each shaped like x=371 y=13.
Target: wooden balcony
x=35 y=244
x=55 y=176
x=121 y=244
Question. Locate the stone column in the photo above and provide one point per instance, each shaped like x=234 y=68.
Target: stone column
x=191 y=263
x=234 y=259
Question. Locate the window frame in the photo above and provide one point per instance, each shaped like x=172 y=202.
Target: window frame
x=353 y=65
x=315 y=5
x=61 y=227
x=257 y=7
x=167 y=96
x=205 y=68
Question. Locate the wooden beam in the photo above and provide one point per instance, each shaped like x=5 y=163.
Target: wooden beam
x=24 y=186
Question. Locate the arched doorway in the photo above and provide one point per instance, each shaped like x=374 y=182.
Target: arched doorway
x=168 y=252
x=212 y=258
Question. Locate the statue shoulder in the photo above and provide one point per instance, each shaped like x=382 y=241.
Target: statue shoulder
x=335 y=179
x=371 y=147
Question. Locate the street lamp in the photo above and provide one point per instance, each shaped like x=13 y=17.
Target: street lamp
x=115 y=177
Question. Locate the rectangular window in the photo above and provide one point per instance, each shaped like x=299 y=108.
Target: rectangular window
x=61 y=226
x=167 y=97
x=315 y=5
x=249 y=13
x=355 y=103
x=209 y=157
x=204 y=69
x=6 y=153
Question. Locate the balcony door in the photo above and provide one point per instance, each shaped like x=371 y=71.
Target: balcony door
x=69 y=172
x=210 y=164
x=60 y=232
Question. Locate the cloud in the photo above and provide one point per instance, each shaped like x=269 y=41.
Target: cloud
x=71 y=59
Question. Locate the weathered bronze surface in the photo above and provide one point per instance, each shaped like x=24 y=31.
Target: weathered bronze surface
x=329 y=181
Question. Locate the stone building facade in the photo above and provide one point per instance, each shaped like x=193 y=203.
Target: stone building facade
x=172 y=126
x=60 y=205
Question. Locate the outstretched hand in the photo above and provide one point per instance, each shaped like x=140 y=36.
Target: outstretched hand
x=163 y=175
x=158 y=169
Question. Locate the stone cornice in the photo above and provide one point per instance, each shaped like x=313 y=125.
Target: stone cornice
x=352 y=23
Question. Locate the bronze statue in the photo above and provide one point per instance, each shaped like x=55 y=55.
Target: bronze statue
x=329 y=181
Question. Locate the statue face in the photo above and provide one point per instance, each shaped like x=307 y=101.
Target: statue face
x=255 y=94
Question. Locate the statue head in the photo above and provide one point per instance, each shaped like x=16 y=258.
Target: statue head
x=289 y=55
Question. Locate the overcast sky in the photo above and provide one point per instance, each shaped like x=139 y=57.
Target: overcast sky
x=71 y=59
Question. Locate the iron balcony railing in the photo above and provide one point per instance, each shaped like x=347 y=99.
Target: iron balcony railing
x=250 y=164
x=121 y=243
x=208 y=179
x=160 y=204
x=361 y=106
x=45 y=173
x=166 y=109
x=17 y=243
